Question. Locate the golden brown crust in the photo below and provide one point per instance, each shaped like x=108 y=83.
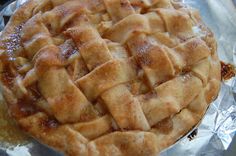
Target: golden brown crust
x=108 y=77
x=20 y=16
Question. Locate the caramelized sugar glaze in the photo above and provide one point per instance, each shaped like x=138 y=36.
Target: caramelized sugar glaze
x=10 y=134
x=145 y=72
x=227 y=71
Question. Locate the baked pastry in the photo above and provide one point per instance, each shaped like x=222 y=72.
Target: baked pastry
x=108 y=77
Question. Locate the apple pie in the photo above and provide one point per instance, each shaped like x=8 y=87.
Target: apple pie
x=108 y=77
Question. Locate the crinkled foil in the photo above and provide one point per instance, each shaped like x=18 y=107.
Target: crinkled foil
x=218 y=126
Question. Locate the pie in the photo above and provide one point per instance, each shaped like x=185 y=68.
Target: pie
x=108 y=77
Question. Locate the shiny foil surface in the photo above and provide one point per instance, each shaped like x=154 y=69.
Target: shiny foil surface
x=216 y=130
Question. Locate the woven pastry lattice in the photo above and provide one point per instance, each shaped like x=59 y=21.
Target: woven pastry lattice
x=108 y=77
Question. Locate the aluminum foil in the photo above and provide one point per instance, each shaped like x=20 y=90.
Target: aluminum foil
x=218 y=126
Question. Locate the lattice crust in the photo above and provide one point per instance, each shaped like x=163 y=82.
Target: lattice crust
x=108 y=77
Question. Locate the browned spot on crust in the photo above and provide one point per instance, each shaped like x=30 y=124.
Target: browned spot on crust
x=227 y=71
x=23 y=108
x=7 y=78
x=50 y=124
x=26 y=105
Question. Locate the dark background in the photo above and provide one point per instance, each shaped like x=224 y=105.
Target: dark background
x=230 y=152
x=3 y=2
